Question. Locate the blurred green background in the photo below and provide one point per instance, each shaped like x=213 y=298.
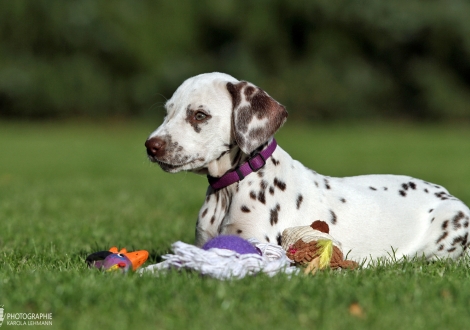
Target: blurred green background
x=324 y=59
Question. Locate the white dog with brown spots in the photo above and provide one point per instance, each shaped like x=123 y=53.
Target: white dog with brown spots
x=223 y=128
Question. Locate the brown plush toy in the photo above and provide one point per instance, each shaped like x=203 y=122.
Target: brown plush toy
x=312 y=245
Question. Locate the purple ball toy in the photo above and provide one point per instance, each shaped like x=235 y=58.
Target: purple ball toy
x=233 y=243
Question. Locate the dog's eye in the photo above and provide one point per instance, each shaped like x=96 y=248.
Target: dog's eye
x=200 y=116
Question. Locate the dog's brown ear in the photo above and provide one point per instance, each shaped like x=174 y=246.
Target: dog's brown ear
x=256 y=116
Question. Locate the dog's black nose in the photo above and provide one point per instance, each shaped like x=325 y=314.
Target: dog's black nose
x=155 y=147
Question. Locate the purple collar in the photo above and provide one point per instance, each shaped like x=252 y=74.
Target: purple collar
x=239 y=173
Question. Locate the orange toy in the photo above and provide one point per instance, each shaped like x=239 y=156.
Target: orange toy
x=137 y=258
x=115 y=259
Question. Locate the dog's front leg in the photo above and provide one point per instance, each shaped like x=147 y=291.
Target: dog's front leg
x=212 y=214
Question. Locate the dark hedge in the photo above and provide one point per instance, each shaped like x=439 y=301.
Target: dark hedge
x=323 y=59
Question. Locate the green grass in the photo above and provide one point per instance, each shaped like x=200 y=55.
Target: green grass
x=69 y=189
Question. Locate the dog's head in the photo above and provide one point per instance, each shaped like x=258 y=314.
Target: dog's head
x=210 y=118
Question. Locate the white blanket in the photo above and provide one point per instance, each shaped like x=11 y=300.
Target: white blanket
x=225 y=264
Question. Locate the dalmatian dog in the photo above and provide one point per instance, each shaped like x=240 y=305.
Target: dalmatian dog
x=223 y=128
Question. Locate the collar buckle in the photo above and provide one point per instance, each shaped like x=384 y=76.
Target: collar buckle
x=253 y=164
x=256 y=163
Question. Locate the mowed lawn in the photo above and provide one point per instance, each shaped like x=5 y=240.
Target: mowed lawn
x=71 y=188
